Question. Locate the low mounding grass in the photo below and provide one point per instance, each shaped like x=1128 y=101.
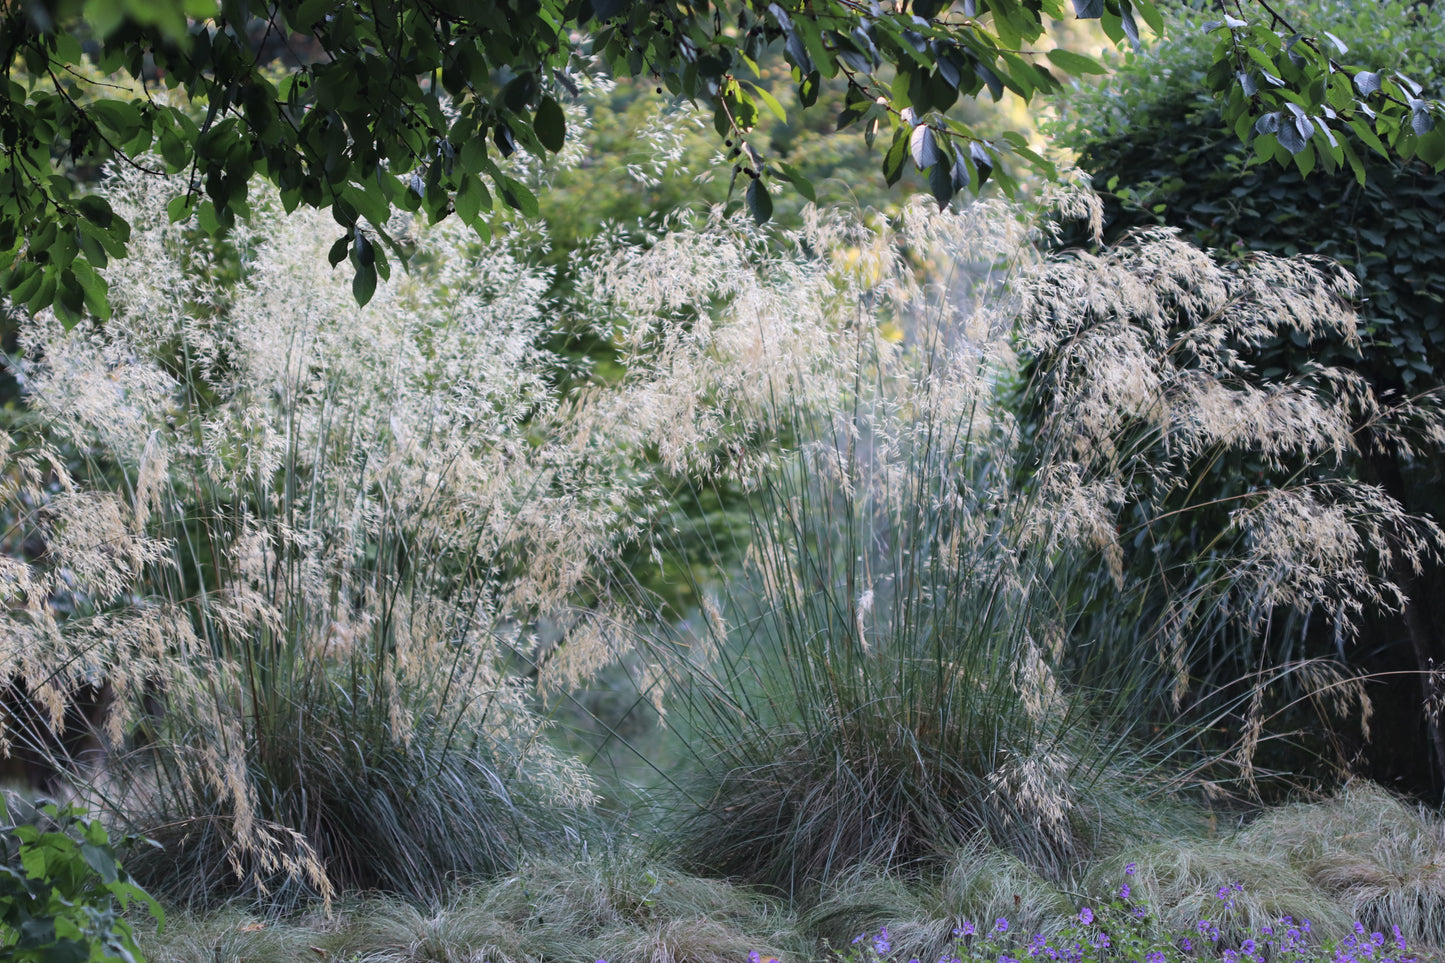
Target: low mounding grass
x=978 y=883
x=983 y=907
x=621 y=909
x=1380 y=858
x=1182 y=880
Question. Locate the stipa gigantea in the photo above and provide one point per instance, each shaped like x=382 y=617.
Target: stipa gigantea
x=913 y=653
x=306 y=530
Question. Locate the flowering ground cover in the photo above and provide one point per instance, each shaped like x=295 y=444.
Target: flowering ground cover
x=1124 y=929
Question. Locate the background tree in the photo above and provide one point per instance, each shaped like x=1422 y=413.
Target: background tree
x=408 y=105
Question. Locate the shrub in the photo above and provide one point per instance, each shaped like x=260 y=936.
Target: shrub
x=62 y=891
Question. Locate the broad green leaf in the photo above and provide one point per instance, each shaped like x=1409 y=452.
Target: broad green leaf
x=940 y=183
x=760 y=205
x=550 y=125
x=472 y=198
x=923 y=147
x=339 y=249
x=95 y=288
x=897 y=154
x=516 y=196
x=804 y=186
x=363 y=284
x=1075 y=63
x=769 y=101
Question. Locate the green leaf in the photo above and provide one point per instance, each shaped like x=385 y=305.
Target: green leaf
x=363 y=284
x=517 y=196
x=1075 y=63
x=1366 y=133
x=897 y=154
x=1151 y=15
x=770 y=102
x=1305 y=160
x=97 y=295
x=923 y=147
x=808 y=89
x=339 y=249
x=474 y=153
x=940 y=183
x=550 y=125
x=472 y=198
x=122 y=118
x=760 y=205
x=101 y=860
x=804 y=186
x=180 y=208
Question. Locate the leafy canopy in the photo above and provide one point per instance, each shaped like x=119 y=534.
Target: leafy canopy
x=415 y=105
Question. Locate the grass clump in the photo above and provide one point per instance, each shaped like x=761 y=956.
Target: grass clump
x=1239 y=891
x=302 y=544
x=1380 y=857
x=920 y=914
x=619 y=908
x=914 y=655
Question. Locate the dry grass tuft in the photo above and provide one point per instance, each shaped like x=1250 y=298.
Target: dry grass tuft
x=1380 y=857
x=624 y=910
x=1187 y=881
x=979 y=884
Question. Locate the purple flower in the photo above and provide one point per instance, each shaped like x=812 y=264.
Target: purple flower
x=1202 y=926
x=1359 y=928
x=1001 y=925
x=1399 y=938
x=856 y=940
x=880 y=942
x=1129 y=868
x=1140 y=912
x=1248 y=946
x=1154 y=956
x=1101 y=940
x=1124 y=891
x=1186 y=944
x=965 y=928
x=1222 y=893
x=1230 y=956
x=754 y=957
x=1086 y=916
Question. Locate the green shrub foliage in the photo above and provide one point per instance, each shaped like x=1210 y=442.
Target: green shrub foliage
x=62 y=891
